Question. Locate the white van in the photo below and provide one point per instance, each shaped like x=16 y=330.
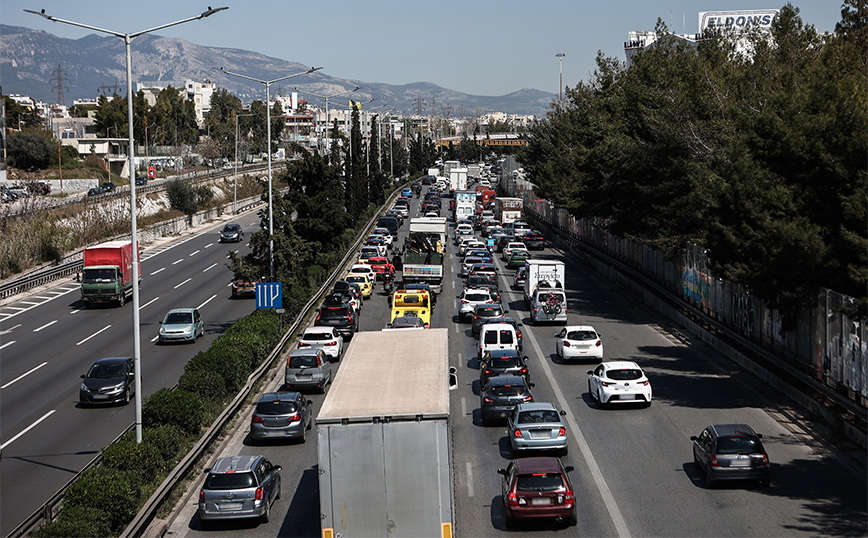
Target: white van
x=493 y=336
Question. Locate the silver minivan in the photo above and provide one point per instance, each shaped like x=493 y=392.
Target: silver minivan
x=308 y=368
x=549 y=305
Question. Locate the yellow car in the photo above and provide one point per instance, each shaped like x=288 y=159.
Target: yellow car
x=364 y=282
x=415 y=304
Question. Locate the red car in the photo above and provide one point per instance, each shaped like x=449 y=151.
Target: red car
x=538 y=488
x=379 y=265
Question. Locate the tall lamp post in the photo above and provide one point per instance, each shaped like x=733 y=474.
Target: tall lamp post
x=128 y=38
x=560 y=57
x=268 y=84
x=235 y=199
x=326 y=98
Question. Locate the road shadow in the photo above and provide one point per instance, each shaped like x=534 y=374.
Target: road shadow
x=302 y=517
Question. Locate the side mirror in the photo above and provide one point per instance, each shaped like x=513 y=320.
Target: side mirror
x=563 y=413
x=160 y=322
x=501 y=471
x=589 y=372
x=526 y=358
x=83 y=376
x=310 y=402
x=300 y=335
x=693 y=438
x=531 y=385
x=759 y=436
x=458 y=297
x=569 y=468
x=277 y=468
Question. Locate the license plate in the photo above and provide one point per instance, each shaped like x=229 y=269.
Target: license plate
x=230 y=506
x=304 y=377
x=740 y=462
x=540 y=501
x=628 y=396
x=100 y=396
x=540 y=434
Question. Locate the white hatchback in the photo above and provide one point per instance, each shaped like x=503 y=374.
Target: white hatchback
x=579 y=342
x=619 y=382
x=326 y=338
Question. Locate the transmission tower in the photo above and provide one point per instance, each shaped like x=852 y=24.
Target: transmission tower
x=58 y=84
x=104 y=88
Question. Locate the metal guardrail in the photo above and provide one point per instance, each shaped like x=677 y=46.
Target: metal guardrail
x=51 y=508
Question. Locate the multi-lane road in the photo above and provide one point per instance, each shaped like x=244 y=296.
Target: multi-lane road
x=48 y=339
x=634 y=474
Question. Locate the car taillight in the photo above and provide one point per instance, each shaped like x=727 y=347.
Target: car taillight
x=569 y=496
x=765 y=460
x=350 y=318
x=644 y=383
x=488 y=399
x=527 y=398
x=294 y=418
x=257 y=420
x=259 y=494
x=332 y=343
x=535 y=310
x=518 y=334
x=562 y=432
x=201 y=495
x=599 y=343
x=301 y=344
x=605 y=384
x=566 y=343
x=317 y=318
x=713 y=462
x=487 y=371
x=522 y=370
x=464 y=301
x=517 y=433
x=475 y=318
x=512 y=499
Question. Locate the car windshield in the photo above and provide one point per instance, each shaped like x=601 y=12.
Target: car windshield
x=333 y=313
x=537 y=416
x=98 y=275
x=177 y=318
x=406 y=322
x=739 y=444
x=550 y=297
x=504 y=362
x=317 y=336
x=477 y=297
x=230 y=481
x=624 y=374
x=276 y=407
x=302 y=361
x=539 y=482
x=231 y=228
x=507 y=390
x=105 y=371
x=489 y=312
x=356 y=279
x=581 y=335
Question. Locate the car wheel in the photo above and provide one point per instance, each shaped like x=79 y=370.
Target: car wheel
x=127 y=396
x=303 y=436
x=591 y=391
x=267 y=514
x=122 y=299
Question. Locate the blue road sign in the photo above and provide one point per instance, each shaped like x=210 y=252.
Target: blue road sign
x=269 y=295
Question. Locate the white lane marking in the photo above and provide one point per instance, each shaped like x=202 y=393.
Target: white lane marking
x=77 y=310
x=7 y=344
x=94 y=334
x=154 y=339
x=602 y=486
x=464 y=406
x=27 y=302
x=209 y=244
x=10 y=329
x=212 y=266
x=27 y=429
x=43 y=298
x=16 y=308
x=207 y=301
x=25 y=374
x=158 y=271
x=182 y=283
x=149 y=302
x=49 y=324
x=177 y=262
x=194 y=253
x=469 y=478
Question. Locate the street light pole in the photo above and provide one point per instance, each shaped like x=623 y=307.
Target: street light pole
x=560 y=57
x=326 y=98
x=128 y=38
x=235 y=199
x=268 y=84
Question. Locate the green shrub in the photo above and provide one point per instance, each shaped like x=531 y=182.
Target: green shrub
x=103 y=488
x=126 y=454
x=177 y=407
x=200 y=378
x=81 y=521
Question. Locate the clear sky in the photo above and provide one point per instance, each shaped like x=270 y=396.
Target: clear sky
x=481 y=47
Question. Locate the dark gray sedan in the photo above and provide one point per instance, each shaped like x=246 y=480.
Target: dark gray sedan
x=497 y=401
x=110 y=380
x=308 y=368
x=281 y=415
x=731 y=452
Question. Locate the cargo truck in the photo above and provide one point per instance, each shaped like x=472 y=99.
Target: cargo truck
x=552 y=272
x=465 y=204
x=385 y=460
x=458 y=179
x=423 y=252
x=107 y=275
x=508 y=210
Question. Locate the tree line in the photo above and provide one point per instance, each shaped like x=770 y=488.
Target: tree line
x=756 y=153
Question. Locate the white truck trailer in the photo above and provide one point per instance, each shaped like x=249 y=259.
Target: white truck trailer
x=384 y=438
x=551 y=271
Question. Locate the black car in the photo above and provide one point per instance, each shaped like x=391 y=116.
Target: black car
x=501 y=241
x=231 y=233
x=482 y=313
x=108 y=186
x=731 y=452
x=500 y=396
x=502 y=362
x=96 y=191
x=534 y=241
x=141 y=181
x=342 y=317
x=108 y=381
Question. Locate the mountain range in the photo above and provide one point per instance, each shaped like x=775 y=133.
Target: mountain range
x=94 y=64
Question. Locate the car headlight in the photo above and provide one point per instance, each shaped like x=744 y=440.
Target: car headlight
x=84 y=388
x=188 y=330
x=115 y=389
x=162 y=331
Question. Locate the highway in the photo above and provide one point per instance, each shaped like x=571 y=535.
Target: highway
x=634 y=474
x=48 y=339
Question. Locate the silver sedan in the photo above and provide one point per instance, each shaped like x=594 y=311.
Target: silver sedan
x=537 y=426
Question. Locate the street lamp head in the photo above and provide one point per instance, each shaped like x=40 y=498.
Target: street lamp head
x=560 y=55
x=210 y=12
x=40 y=13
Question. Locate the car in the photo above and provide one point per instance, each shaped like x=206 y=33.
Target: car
x=468 y=299
x=537 y=426
x=243 y=288
x=326 y=338
x=407 y=322
x=141 y=181
x=490 y=226
x=502 y=362
x=482 y=313
x=364 y=269
x=498 y=399
x=379 y=242
x=231 y=233
x=108 y=186
x=519 y=278
x=579 y=342
x=239 y=487
x=96 y=191
x=281 y=415
x=107 y=381
x=731 y=452
x=619 y=382
x=307 y=367
x=479 y=253
x=467 y=264
x=345 y=293
x=549 y=305
x=181 y=325
x=534 y=240
x=501 y=240
x=420 y=286
x=371 y=251
x=538 y=488
x=485 y=269
x=365 y=282
x=484 y=281
x=494 y=336
x=390 y=223
x=471 y=244
x=397 y=215
x=379 y=264
x=385 y=234
x=343 y=317
x=517 y=258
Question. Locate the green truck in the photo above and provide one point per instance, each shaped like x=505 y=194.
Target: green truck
x=107 y=275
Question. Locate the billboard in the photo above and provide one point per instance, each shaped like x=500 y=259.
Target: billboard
x=736 y=20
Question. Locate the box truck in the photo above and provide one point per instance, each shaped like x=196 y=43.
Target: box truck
x=423 y=252
x=107 y=275
x=507 y=210
x=384 y=438
x=552 y=272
